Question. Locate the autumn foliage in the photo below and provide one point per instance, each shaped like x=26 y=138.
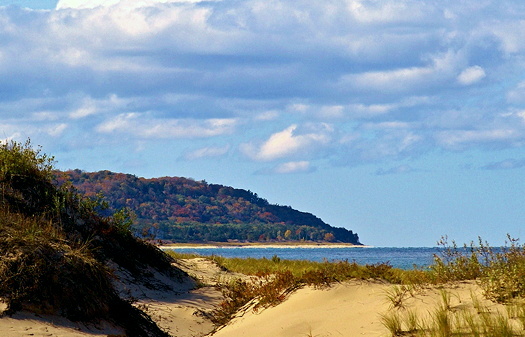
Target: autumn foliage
x=182 y=209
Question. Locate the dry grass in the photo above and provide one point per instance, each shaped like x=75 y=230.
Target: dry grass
x=55 y=247
x=500 y=273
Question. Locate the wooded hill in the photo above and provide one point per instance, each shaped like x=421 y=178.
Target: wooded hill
x=185 y=210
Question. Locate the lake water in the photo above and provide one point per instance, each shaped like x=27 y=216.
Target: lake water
x=404 y=258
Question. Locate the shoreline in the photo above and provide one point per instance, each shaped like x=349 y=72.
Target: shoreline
x=230 y=245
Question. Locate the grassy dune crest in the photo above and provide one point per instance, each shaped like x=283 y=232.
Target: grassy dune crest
x=55 y=248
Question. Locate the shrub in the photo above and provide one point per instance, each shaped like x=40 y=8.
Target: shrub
x=500 y=272
x=55 y=247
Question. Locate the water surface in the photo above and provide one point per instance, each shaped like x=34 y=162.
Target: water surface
x=405 y=258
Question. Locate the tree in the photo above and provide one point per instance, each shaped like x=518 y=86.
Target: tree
x=329 y=237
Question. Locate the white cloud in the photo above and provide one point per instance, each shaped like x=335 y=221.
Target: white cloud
x=357 y=110
x=507 y=164
x=207 y=152
x=392 y=80
x=509 y=34
x=517 y=94
x=459 y=139
x=57 y=130
x=387 y=125
x=293 y=167
x=83 y=112
x=471 y=75
x=298 y=107
x=388 y=12
x=441 y=67
x=370 y=110
x=333 y=111
x=89 y=106
x=288 y=143
x=83 y=4
x=136 y=125
x=401 y=169
x=45 y=116
x=267 y=116
x=391 y=76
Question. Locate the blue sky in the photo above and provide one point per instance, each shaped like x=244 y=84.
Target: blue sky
x=401 y=120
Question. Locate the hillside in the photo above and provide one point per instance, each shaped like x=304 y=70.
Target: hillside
x=59 y=256
x=183 y=210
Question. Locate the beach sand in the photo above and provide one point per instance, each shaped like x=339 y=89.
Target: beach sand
x=350 y=308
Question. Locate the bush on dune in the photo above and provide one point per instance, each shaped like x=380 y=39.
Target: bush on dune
x=55 y=248
x=500 y=272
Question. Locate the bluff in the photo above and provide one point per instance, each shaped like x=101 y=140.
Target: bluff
x=184 y=210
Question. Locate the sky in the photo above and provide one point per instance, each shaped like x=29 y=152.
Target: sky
x=401 y=120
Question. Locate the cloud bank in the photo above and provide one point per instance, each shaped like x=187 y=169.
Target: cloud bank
x=289 y=84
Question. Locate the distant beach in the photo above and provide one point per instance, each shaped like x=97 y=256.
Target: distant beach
x=220 y=245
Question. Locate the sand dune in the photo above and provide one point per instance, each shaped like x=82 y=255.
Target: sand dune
x=29 y=324
x=351 y=308
x=347 y=309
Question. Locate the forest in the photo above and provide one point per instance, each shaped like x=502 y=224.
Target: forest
x=184 y=210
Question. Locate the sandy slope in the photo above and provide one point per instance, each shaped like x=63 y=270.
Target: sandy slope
x=348 y=309
x=29 y=324
x=182 y=312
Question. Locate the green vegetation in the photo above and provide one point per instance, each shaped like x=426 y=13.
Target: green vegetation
x=55 y=248
x=273 y=279
x=330 y=271
x=446 y=320
x=185 y=210
x=499 y=273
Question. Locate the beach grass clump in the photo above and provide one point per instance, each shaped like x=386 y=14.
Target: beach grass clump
x=181 y=256
x=499 y=272
x=397 y=294
x=458 y=263
x=446 y=319
x=262 y=291
x=393 y=322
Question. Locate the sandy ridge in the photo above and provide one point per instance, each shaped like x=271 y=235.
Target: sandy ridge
x=351 y=308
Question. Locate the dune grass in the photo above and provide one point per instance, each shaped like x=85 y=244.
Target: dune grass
x=273 y=279
x=55 y=247
x=445 y=320
x=499 y=272
x=323 y=272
